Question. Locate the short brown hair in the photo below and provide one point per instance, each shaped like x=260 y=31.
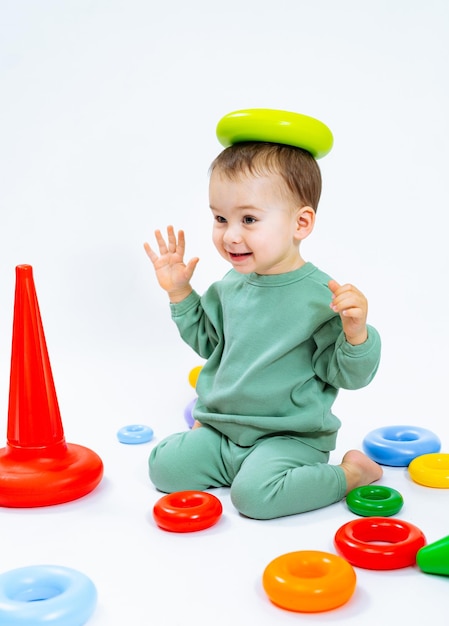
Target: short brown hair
x=296 y=166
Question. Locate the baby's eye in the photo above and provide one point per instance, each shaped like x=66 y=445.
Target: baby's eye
x=249 y=220
x=220 y=219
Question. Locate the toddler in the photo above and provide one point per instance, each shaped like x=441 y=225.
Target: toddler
x=279 y=338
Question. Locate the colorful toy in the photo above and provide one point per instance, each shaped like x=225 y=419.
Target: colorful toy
x=187 y=511
x=134 y=434
x=379 y=543
x=38 y=467
x=271 y=125
x=193 y=375
x=398 y=445
x=374 y=500
x=188 y=413
x=434 y=558
x=309 y=581
x=46 y=595
x=431 y=470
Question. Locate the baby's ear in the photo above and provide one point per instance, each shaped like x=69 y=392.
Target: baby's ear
x=305 y=221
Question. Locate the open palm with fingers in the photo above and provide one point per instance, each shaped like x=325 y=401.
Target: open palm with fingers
x=172 y=273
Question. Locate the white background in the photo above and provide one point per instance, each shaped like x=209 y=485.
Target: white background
x=107 y=128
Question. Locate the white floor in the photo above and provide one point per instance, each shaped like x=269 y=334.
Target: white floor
x=107 y=125
x=141 y=571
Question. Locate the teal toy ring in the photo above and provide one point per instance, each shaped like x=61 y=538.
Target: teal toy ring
x=372 y=500
x=274 y=126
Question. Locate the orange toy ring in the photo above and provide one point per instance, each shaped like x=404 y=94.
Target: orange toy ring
x=431 y=470
x=309 y=581
x=379 y=543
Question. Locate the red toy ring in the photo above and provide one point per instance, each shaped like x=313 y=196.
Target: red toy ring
x=187 y=511
x=379 y=543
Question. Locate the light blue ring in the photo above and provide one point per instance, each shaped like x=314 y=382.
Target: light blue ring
x=135 y=433
x=47 y=595
x=397 y=446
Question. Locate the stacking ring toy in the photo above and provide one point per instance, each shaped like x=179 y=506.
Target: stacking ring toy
x=379 y=543
x=434 y=558
x=46 y=595
x=135 y=433
x=309 y=581
x=193 y=375
x=374 y=500
x=271 y=125
x=37 y=466
x=187 y=511
x=398 y=445
x=431 y=470
x=188 y=413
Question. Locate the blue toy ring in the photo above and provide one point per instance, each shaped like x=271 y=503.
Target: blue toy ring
x=46 y=595
x=135 y=433
x=399 y=445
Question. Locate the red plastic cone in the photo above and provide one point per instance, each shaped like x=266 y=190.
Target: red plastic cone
x=38 y=467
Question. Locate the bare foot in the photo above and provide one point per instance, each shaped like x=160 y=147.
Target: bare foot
x=359 y=469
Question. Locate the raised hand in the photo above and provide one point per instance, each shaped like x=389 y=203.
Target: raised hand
x=172 y=273
x=352 y=306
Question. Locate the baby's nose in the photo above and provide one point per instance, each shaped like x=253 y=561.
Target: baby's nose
x=232 y=235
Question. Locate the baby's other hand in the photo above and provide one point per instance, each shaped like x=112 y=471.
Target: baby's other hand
x=352 y=306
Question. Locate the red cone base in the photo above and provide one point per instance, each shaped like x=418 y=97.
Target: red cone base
x=37 y=467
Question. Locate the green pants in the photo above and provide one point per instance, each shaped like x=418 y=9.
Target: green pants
x=279 y=475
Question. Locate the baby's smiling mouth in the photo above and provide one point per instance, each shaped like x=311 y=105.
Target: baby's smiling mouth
x=237 y=255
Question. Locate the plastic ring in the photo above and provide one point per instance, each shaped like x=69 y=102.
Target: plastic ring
x=374 y=500
x=274 y=126
x=399 y=445
x=188 y=413
x=398 y=544
x=46 y=595
x=431 y=470
x=187 y=511
x=135 y=433
x=309 y=581
x=194 y=374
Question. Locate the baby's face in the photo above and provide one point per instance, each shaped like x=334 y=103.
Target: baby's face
x=255 y=223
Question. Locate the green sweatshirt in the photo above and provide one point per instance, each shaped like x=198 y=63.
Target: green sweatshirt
x=276 y=356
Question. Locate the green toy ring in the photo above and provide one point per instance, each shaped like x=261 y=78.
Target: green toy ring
x=371 y=500
x=271 y=125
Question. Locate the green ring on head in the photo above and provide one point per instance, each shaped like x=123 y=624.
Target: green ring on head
x=275 y=126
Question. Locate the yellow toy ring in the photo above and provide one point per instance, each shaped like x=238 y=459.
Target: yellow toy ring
x=274 y=126
x=193 y=375
x=430 y=470
x=309 y=581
